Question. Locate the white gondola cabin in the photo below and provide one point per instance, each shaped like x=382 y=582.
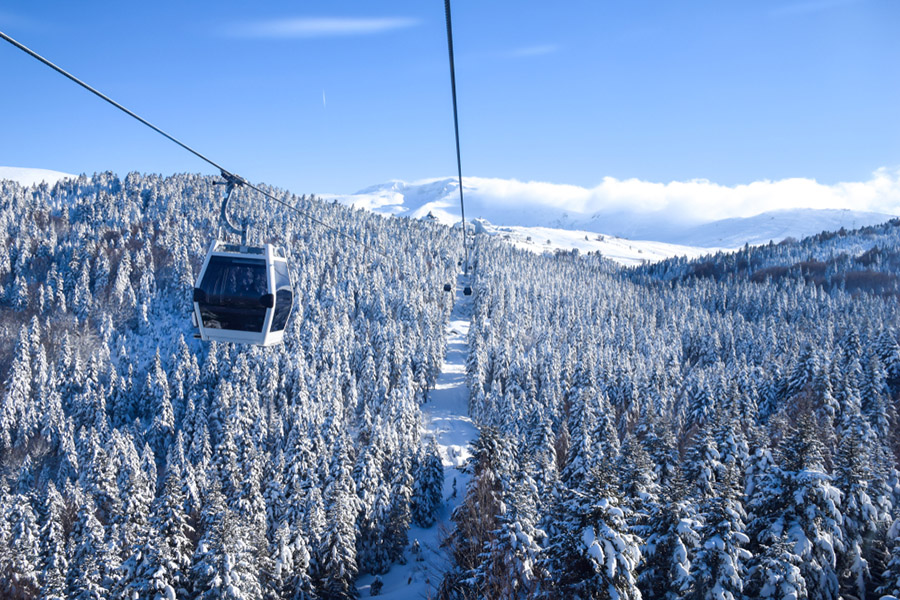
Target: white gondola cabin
x=243 y=295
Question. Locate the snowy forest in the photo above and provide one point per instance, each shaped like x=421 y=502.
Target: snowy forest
x=717 y=428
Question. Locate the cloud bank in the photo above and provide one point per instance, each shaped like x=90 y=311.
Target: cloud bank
x=695 y=201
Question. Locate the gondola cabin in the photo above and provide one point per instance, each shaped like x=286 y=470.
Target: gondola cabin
x=447 y=287
x=243 y=295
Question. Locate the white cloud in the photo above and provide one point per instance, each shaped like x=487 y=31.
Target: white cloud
x=645 y=210
x=696 y=200
x=313 y=27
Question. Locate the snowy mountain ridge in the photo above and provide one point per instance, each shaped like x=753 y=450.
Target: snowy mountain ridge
x=517 y=204
x=28 y=177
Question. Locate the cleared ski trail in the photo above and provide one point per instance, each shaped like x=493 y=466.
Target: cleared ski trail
x=446 y=417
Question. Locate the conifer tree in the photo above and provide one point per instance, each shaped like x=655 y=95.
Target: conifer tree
x=797 y=501
x=88 y=577
x=428 y=491
x=509 y=565
x=169 y=561
x=592 y=554
x=860 y=518
x=775 y=574
x=338 y=545
x=475 y=519
x=718 y=568
x=671 y=543
x=16 y=400
x=54 y=562
x=19 y=562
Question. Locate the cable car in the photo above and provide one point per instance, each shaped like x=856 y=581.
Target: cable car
x=467 y=291
x=447 y=287
x=243 y=294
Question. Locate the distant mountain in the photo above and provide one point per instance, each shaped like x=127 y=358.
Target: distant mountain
x=28 y=177
x=506 y=203
x=775 y=226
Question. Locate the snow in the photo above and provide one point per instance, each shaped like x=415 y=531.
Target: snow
x=802 y=544
x=446 y=418
x=593 y=549
x=715 y=543
x=448 y=404
x=622 y=251
x=686 y=527
x=29 y=177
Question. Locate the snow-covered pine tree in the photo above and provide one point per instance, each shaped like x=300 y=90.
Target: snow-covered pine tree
x=591 y=553
x=775 y=574
x=88 y=577
x=861 y=519
x=509 y=566
x=671 y=543
x=19 y=559
x=476 y=518
x=428 y=490
x=54 y=563
x=338 y=546
x=718 y=568
x=374 y=504
x=637 y=478
x=225 y=565
x=796 y=502
x=168 y=562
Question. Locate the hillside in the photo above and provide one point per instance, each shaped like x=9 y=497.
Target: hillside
x=642 y=428
x=621 y=251
x=682 y=429
x=136 y=460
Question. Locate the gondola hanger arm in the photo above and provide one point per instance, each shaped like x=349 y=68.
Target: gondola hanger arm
x=231 y=182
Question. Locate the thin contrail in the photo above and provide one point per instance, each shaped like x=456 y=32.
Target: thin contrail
x=324 y=105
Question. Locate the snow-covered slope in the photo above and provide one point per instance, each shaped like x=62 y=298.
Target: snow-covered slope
x=623 y=251
x=446 y=419
x=776 y=226
x=560 y=207
x=494 y=200
x=28 y=177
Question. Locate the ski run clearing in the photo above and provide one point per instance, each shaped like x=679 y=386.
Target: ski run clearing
x=446 y=418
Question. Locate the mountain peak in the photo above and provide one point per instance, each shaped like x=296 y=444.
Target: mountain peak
x=27 y=176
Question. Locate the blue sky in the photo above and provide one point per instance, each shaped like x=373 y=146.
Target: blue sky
x=336 y=96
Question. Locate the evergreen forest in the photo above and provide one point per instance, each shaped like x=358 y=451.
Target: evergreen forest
x=720 y=428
